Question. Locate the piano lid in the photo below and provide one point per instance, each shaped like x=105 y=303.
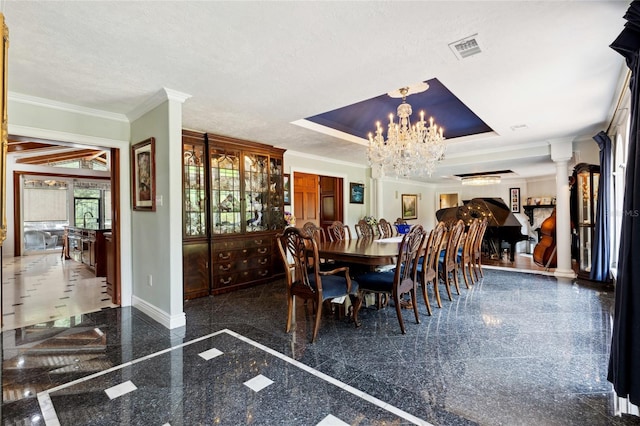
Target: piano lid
x=494 y=209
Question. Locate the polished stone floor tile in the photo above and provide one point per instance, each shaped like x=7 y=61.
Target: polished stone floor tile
x=179 y=382
x=515 y=349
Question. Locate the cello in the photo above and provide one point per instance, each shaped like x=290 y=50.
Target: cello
x=544 y=253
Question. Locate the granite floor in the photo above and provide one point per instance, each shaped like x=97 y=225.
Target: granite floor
x=515 y=349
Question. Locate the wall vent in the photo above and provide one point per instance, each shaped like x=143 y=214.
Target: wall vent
x=466 y=47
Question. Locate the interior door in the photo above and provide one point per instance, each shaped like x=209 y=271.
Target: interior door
x=305 y=195
x=331 y=201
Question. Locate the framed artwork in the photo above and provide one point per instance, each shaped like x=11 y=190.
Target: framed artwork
x=356 y=193
x=514 y=199
x=286 y=188
x=143 y=175
x=409 y=206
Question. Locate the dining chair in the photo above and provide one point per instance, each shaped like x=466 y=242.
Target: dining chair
x=477 y=250
x=313 y=230
x=385 y=229
x=400 y=221
x=305 y=279
x=338 y=231
x=317 y=232
x=400 y=281
x=428 y=264
x=363 y=229
x=465 y=252
x=448 y=261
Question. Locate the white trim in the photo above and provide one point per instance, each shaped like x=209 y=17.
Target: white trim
x=36 y=132
x=325 y=160
x=330 y=131
x=155 y=100
x=365 y=142
x=157 y=314
x=174 y=95
x=62 y=106
x=126 y=288
x=499 y=149
x=565 y=273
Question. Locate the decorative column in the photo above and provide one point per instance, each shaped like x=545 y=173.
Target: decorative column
x=561 y=152
x=377 y=206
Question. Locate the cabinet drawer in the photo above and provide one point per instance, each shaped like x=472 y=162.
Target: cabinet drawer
x=255 y=274
x=232 y=279
x=227 y=245
x=231 y=255
x=256 y=242
x=225 y=280
x=241 y=264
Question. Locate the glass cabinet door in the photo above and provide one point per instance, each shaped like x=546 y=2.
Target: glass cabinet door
x=275 y=219
x=225 y=193
x=256 y=186
x=194 y=190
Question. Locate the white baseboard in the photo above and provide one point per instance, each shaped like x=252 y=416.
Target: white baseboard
x=159 y=315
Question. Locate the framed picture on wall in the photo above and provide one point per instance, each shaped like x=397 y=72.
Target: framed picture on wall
x=409 y=206
x=286 y=186
x=514 y=199
x=143 y=175
x=356 y=193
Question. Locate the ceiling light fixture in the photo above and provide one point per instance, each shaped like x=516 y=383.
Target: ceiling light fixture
x=408 y=150
x=481 y=180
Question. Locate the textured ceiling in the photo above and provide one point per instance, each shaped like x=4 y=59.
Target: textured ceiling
x=254 y=68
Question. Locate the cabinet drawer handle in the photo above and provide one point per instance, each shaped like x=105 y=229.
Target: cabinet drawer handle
x=258 y=242
x=227 y=281
x=224 y=256
x=263 y=273
x=225 y=267
x=244 y=261
x=244 y=251
x=262 y=250
x=264 y=261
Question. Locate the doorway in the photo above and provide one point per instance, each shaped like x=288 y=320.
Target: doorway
x=60 y=197
x=317 y=199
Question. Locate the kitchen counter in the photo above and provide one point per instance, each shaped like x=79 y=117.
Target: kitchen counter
x=87 y=246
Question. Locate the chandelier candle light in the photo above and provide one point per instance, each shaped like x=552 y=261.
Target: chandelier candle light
x=409 y=150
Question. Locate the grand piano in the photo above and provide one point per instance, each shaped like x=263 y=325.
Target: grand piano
x=502 y=226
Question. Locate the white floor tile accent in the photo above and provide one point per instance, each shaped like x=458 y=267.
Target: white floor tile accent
x=258 y=383
x=210 y=354
x=121 y=389
x=331 y=420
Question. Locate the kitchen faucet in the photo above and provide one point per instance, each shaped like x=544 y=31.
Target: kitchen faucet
x=85 y=218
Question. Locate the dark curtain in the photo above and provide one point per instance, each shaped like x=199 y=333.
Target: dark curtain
x=624 y=359
x=601 y=253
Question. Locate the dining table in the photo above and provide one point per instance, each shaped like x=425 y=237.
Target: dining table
x=362 y=251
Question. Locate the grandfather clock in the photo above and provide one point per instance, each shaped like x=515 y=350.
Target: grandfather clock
x=584 y=198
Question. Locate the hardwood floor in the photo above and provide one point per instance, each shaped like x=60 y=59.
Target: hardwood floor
x=522 y=262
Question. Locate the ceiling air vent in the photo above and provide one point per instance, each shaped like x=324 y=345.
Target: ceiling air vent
x=466 y=47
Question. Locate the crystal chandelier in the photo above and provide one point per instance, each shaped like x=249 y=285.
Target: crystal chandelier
x=409 y=150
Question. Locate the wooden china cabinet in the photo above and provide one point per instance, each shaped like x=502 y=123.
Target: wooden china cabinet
x=233 y=208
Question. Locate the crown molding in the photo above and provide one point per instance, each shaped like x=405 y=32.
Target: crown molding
x=55 y=135
x=62 y=106
x=155 y=100
x=325 y=159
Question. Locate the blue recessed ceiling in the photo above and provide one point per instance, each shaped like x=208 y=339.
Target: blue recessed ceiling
x=438 y=102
